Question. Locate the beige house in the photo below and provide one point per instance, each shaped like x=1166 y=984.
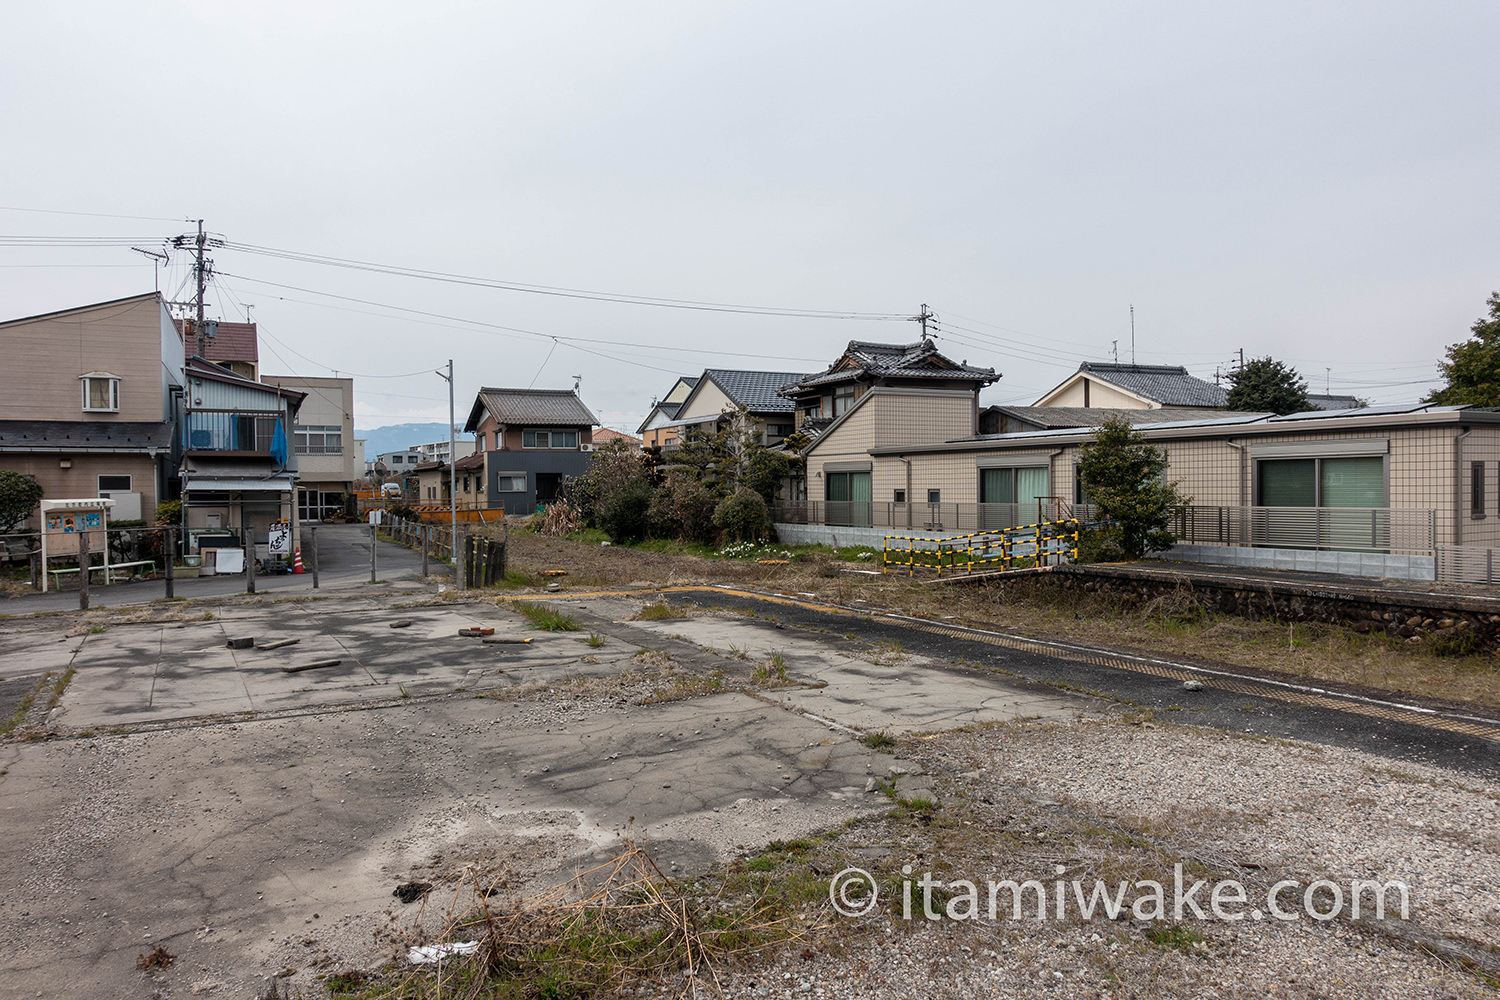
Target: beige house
x=327 y=464
x=1390 y=491
x=657 y=430
x=88 y=400
x=720 y=395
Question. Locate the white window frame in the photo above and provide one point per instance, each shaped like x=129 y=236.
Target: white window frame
x=114 y=392
x=502 y=477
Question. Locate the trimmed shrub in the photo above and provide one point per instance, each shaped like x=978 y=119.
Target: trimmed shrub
x=743 y=517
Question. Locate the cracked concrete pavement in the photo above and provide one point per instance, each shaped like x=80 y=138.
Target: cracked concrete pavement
x=252 y=821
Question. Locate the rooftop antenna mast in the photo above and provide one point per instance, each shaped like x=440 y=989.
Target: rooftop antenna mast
x=1132 y=334
x=1114 y=350
x=157 y=260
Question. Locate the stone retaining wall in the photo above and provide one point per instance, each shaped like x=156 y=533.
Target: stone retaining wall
x=1445 y=621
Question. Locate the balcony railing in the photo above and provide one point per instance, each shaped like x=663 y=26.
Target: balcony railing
x=228 y=430
x=1399 y=530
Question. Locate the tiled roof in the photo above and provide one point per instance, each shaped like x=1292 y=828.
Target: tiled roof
x=756 y=391
x=1169 y=385
x=234 y=342
x=917 y=360
x=1326 y=402
x=82 y=435
x=605 y=434
x=531 y=406
x=474 y=461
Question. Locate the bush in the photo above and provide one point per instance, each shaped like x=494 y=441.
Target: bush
x=1101 y=545
x=743 y=516
x=169 y=512
x=402 y=511
x=682 y=508
x=19 y=496
x=625 y=513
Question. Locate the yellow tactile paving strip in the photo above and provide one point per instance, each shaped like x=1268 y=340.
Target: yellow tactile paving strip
x=1292 y=695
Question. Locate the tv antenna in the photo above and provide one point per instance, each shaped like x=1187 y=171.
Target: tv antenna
x=158 y=258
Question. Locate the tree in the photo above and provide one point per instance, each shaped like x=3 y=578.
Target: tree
x=743 y=516
x=19 y=496
x=1473 y=367
x=1125 y=477
x=1265 y=385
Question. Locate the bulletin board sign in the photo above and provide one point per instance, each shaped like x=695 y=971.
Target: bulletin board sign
x=65 y=522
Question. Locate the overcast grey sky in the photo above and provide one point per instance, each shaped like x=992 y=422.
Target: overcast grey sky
x=1315 y=181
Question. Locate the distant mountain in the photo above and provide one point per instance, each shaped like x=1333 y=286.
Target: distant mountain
x=397 y=437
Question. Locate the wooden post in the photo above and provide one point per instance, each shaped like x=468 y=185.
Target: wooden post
x=424 y=549
x=249 y=561
x=83 y=569
x=314 y=538
x=170 y=554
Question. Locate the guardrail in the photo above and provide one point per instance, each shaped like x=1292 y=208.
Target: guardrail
x=1397 y=530
x=1026 y=545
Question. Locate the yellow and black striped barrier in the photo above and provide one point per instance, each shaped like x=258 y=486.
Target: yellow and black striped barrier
x=981 y=550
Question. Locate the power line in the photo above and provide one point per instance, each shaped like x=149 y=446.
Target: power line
x=571 y=293
x=91 y=215
x=571 y=340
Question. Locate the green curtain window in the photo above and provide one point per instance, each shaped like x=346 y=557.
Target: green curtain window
x=1031 y=484
x=859 y=487
x=1354 y=482
x=838 y=486
x=997 y=486
x=1289 y=482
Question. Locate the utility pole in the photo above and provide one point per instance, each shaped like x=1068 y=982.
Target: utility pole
x=1132 y=334
x=922 y=317
x=200 y=271
x=452 y=475
x=1114 y=350
x=1242 y=357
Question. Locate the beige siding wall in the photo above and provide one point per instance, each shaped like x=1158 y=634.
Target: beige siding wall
x=1099 y=394
x=709 y=402
x=891 y=418
x=1482 y=445
x=82 y=480
x=329 y=403
x=45 y=357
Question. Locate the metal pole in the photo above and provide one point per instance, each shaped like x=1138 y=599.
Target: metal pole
x=83 y=567
x=314 y=531
x=452 y=463
x=171 y=557
x=424 y=549
x=249 y=561
x=372 y=553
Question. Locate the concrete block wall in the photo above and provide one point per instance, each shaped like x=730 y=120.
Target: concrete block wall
x=1377 y=565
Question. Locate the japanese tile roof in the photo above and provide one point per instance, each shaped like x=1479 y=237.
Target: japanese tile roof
x=1326 y=402
x=83 y=435
x=474 y=461
x=1169 y=385
x=866 y=359
x=756 y=391
x=605 y=434
x=531 y=406
x=234 y=341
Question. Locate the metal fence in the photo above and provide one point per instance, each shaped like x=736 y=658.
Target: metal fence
x=1468 y=564
x=228 y=430
x=1409 y=531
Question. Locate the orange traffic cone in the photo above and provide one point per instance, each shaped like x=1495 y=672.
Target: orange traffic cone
x=297 y=562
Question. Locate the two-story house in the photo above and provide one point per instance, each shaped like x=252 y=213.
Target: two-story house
x=658 y=429
x=531 y=440
x=88 y=399
x=881 y=395
x=239 y=464
x=327 y=465
x=723 y=399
